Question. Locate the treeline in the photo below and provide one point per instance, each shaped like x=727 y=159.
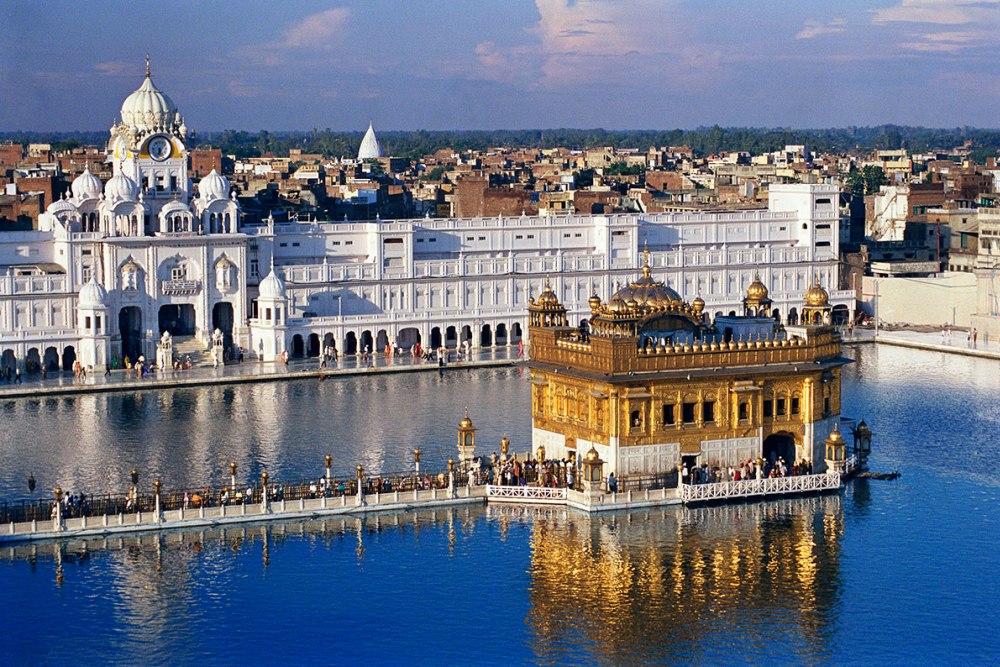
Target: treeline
x=704 y=140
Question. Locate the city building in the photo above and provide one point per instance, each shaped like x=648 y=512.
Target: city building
x=149 y=251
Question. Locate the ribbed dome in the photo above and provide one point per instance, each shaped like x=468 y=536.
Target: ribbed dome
x=272 y=287
x=121 y=187
x=370 y=148
x=757 y=291
x=87 y=186
x=60 y=206
x=174 y=207
x=647 y=291
x=213 y=186
x=92 y=295
x=817 y=296
x=149 y=110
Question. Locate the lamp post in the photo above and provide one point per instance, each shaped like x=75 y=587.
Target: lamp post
x=451 y=477
x=329 y=463
x=361 y=486
x=156 y=487
x=31 y=483
x=232 y=478
x=264 y=509
x=416 y=460
x=57 y=522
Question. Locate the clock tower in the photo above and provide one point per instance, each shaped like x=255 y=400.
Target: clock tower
x=148 y=147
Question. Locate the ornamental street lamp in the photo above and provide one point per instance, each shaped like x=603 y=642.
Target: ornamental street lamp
x=31 y=483
x=57 y=523
x=232 y=477
x=135 y=476
x=263 y=493
x=156 y=488
x=416 y=460
x=329 y=463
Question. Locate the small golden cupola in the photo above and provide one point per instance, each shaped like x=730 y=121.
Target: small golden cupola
x=817 y=309
x=757 y=302
x=546 y=311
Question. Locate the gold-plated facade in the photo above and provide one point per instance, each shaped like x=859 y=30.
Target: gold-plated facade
x=648 y=384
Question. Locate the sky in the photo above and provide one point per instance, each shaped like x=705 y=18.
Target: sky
x=511 y=64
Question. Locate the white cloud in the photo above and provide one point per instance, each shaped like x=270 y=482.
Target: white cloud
x=939 y=12
x=118 y=68
x=316 y=31
x=816 y=28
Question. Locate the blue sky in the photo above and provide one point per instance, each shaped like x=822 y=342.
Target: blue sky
x=644 y=64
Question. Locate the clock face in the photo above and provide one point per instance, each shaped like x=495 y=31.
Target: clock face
x=159 y=148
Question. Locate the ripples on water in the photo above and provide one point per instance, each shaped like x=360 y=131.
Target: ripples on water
x=889 y=572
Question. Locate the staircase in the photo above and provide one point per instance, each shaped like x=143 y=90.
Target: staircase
x=190 y=346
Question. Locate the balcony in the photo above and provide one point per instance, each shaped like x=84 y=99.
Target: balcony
x=181 y=287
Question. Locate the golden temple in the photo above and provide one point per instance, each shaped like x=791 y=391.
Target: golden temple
x=650 y=381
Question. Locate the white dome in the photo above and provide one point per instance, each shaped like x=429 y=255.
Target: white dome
x=272 y=287
x=370 y=148
x=87 y=186
x=60 y=206
x=213 y=186
x=174 y=207
x=121 y=187
x=149 y=110
x=93 y=295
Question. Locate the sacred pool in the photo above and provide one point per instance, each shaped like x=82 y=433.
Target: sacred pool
x=876 y=573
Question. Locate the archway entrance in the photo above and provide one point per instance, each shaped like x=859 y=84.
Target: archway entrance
x=51 y=359
x=486 y=336
x=466 y=333
x=298 y=348
x=501 y=336
x=793 y=316
x=33 y=362
x=222 y=319
x=407 y=338
x=451 y=337
x=366 y=341
x=68 y=358
x=313 y=349
x=436 y=338
x=515 y=333
x=381 y=341
x=780 y=445
x=840 y=316
x=178 y=319
x=351 y=343
x=130 y=328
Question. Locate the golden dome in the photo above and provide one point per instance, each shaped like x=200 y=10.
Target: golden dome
x=595 y=302
x=698 y=303
x=835 y=436
x=647 y=291
x=592 y=455
x=757 y=291
x=466 y=423
x=817 y=296
x=547 y=297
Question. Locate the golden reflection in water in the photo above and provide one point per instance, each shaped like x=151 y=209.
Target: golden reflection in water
x=662 y=583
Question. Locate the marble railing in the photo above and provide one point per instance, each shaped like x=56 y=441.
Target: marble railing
x=747 y=488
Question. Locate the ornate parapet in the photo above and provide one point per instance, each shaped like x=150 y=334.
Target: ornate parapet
x=181 y=287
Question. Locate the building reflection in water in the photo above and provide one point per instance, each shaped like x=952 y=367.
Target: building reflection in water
x=676 y=583
x=620 y=588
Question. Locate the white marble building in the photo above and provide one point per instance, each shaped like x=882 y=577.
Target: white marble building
x=115 y=265
x=356 y=285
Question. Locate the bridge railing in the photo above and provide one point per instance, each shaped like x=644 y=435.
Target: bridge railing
x=526 y=493
x=748 y=488
x=96 y=505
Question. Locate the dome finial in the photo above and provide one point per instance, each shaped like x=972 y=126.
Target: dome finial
x=147 y=66
x=646 y=271
x=548 y=285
